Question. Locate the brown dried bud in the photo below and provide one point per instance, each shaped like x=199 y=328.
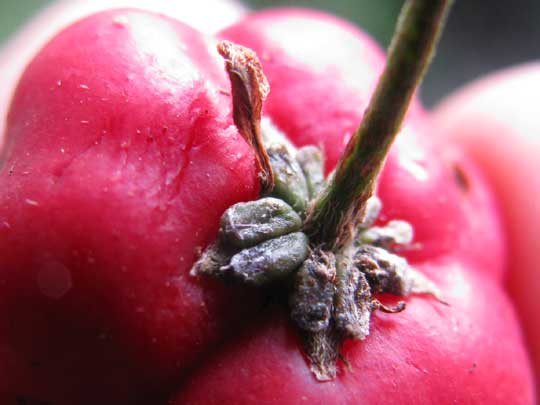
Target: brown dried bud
x=313 y=293
x=390 y=273
x=388 y=236
x=212 y=259
x=352 y=310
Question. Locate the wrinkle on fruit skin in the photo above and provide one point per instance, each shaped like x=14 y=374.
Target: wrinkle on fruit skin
x=126 y=218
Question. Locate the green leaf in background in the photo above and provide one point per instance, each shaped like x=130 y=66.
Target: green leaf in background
x=377 y=17
x=15 y=12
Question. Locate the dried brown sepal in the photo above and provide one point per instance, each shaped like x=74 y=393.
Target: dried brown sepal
x=322 y=350
x=214 y=257
x=378 y=305
x=390 y=273
x=311 y=301
x=249 y=88
x=394 y=233
x=352 y=303
x=373 y=209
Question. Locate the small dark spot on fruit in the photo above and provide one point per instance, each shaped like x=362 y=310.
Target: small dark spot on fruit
x=35 y=364
x=461 y=178
x=29 y=401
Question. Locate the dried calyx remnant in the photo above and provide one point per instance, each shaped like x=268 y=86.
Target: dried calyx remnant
x=333 y=287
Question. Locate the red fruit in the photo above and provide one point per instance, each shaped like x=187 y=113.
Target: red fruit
x=496 y=121
x=23 y=46
x=429 y=353
x=120 y=157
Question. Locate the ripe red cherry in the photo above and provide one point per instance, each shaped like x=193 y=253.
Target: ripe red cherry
x=429 y=353
x=120 y=157
x=486 y=113
x=19 y=50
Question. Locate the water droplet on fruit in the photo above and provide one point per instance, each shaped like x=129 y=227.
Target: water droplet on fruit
x=83 y=86
x=54 y=280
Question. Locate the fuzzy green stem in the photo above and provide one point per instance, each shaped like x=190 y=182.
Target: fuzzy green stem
x=335 y=214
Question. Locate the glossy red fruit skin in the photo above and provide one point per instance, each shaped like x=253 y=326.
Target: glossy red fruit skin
x=93 y=343
x=121 y=155
x=18 y=50
x=495 y=120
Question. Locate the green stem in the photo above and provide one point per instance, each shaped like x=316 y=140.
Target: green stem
x=335 y=214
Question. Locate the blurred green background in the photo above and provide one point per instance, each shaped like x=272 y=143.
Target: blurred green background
x=481 y=36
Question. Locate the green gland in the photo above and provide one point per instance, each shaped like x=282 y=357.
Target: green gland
x=247 y=224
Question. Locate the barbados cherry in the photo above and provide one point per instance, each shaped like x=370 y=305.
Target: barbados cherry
x=486 y=113
x=123 y=150
x=120 y=156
